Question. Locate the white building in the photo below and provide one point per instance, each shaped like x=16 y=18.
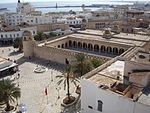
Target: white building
x=13 y=18
x=24 y=8
x=34 y=20
x=8 y=36
x=118 y=86
x=71 y=21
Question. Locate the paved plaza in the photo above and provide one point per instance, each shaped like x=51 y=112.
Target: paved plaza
x=33 y=84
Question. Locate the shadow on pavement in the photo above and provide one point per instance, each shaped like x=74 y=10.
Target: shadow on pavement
x=14 y=53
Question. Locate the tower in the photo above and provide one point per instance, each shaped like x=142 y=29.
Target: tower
x=28 y=44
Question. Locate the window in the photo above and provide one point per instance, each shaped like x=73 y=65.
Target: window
x=1 y=36
x=6 y=36
x=100 y=105
x=17 y=35
x=33 y=32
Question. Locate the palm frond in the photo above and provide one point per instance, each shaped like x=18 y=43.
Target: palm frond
x=60 y=81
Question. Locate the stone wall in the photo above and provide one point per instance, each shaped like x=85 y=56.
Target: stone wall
x=51 y=26
x=59 y=55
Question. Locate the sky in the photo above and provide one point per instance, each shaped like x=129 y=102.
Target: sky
x=13 y=1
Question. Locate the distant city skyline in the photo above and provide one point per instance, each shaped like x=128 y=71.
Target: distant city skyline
x=15 y=1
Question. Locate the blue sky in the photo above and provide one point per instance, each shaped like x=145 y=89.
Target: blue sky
x=13 y=1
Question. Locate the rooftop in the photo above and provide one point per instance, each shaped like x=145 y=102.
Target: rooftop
x=109 y=74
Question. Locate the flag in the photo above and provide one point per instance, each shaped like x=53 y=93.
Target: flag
x=46 y=91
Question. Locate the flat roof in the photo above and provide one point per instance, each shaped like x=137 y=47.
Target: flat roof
x=109 y=74
x=112 y=40
x=120 y=35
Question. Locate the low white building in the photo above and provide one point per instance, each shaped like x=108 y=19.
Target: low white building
x=118 y=86
x=13 y=18
x=34 y=20
x=71 y=21
x=8 y=36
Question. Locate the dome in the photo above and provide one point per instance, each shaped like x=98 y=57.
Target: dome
x=107 y=34
x=27 y=33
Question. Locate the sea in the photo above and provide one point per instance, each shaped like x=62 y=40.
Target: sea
x=12 y=6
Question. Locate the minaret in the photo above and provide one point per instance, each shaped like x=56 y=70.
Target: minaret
x=56 y=5
x=18 y=1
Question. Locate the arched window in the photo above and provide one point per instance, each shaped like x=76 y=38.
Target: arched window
x=90 y=47
x=85 y=46
x=96 y=48
x=115 y=50
x=121 y=51
x=79 y=45
x=70 y=43
x=100 y=105
x=66 y=45
x=109 y=49
x=74 y=44
x=62 y=46
x=58 y=46
x=103 y=48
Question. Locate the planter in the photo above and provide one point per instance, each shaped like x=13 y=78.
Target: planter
x=69 y=107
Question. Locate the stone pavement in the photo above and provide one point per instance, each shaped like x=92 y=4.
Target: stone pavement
x=33 y=85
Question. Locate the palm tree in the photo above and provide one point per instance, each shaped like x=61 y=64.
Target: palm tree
x=18 y=44
x=40 y=36
x=96 y=62
x=66 y=78
x=83 y=64
x=8 y=93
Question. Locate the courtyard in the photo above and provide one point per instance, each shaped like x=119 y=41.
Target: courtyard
x=33 y=84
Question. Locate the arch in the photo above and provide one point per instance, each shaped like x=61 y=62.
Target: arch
x=103 y=48
x=70 y=43
x=62 y=45
x=96 y=48
x=109 y=49
x=74 y=44
x=79 y=45
x=121 y=51
x=66 y=45
x=58 y=46
x=85 y=46
x=115 y=50
x=90 y=47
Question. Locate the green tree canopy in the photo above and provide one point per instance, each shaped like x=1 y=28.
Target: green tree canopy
x=40 y=36
x=96 y=63
x=83 y=65
x=66 y=78
x=18 y=44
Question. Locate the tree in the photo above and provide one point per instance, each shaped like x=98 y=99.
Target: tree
x=96 y=63
x=66 y=78
x=18 y=44
x=40 y=36
x=8 y=93
x=52 y=34
x=83 y=64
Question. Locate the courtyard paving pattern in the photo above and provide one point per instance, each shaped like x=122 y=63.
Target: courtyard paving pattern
x=33 y=84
